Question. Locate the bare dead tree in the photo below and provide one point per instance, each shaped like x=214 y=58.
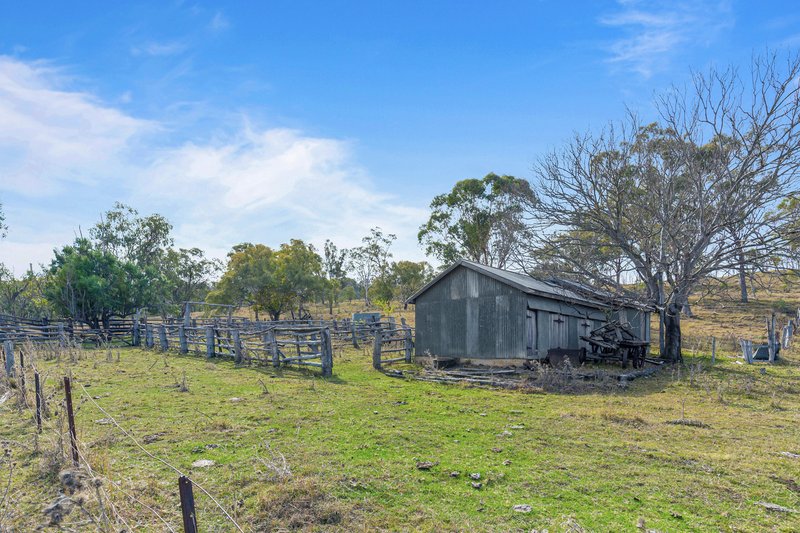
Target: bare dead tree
x=666 y=195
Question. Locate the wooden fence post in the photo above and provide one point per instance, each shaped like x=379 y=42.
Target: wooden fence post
x=62 y=338
x=786 y=336
x=771 y=338
x=73 y=434
x=747 y=350
x=713 y=350
x=376 y=350
x=187 y=505
x=187 y=315
x=148 y=336
x=353 y=333
x=276 y=356
x=184 y=345
x=209 y=342
x=136 y=339
x=8 y=346
x=162 y=338
x=409 y=342
x=237 y=347
x=327 y=353
x=38 y=386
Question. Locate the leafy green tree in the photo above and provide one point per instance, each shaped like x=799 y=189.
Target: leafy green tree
x=250 y=279
x=480 y=219
x=333 y=263
x=189 y=273
x=130 y=237
x=299 y=272
x=92 y=285
x=371 y=260
x=3 y=226
x=409 y=276
x=271 y=281
x=22 y=296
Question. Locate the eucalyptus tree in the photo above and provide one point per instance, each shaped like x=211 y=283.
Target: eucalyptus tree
x=483 y=220
x=334 y=262
x=372 y=260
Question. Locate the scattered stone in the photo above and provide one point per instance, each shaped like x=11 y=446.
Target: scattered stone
x=688 y=422
x=211 y=446
x=235 y=400
x=676 y=515
x=791 y=455
x=104 y=421
x=475 y=476
x=517 y=426
x=203 y=463
x=640 y=524
x=455 y=473
x=516 y=412
x=374 y=412
x=425 y=465
x=476 y=485
x=505 y=434
x=522 y=508
x=402 y=402
x=507 y=462
x=481 y=414
x=775 y=507
x=497 y=450
x=4 y=398
x=149 y=439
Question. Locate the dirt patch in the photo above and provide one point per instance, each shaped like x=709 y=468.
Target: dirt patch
x=302 y=503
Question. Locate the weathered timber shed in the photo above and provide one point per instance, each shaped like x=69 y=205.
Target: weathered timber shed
x=475 y=312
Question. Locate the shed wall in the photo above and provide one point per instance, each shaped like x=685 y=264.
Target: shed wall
x=471 y=315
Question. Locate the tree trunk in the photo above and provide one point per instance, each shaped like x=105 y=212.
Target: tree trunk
x=255 y=308
x=672 y=333
x=742 y=278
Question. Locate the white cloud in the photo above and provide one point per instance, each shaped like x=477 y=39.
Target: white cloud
x=651 y=32
x=154 y=48
x=219 y=22
x=59 y=147
x=277 y=184
x=50 y=137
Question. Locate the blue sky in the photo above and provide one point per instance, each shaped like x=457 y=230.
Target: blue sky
x=263 y=121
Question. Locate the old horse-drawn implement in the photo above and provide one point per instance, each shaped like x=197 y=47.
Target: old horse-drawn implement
x=616 y=341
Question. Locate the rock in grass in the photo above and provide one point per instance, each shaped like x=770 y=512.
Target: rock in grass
x=203 y=463
x=507 y=462
x=775 y=507
x=476 y=475
x=497 y=450
x=476 y=485
x=425 y=465
x=455 y=473
x=791 y=455
x=522 y=508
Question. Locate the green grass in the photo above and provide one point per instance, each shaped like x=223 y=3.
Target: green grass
x=600 y=461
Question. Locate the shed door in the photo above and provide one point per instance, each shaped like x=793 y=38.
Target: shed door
x=584 y=328
x=558 y=331
x=532 y=337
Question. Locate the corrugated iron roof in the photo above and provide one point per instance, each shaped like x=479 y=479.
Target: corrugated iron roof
x=523 y=282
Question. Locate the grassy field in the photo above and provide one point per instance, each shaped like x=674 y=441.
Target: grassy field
x=598 y=461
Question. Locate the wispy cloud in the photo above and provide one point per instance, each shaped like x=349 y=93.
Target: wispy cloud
x=50 y=136
x=652 y=32
x=155 y=48
x=219 y=22
x=61 y=149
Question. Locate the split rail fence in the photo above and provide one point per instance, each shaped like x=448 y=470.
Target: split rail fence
x=308 y=343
